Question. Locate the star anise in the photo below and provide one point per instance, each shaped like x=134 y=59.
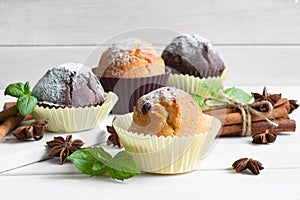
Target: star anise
x=247 y=163
x=113 y=138
x=265 y=96
x=266 y=137
x=35 y=130
x=62 y=148
x=293 y=105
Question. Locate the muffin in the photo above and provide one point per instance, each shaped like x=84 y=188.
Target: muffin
x=131 y=68
x=130 y=58
x=194 y=61
x=193 y=55
x=167 y=133
x=168 y=112
x=72 y=98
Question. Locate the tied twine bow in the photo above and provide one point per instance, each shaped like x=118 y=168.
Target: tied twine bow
x=246 y=110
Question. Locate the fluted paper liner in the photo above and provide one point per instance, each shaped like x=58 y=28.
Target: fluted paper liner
x=193 y=85
x=166 y=155
x=75 y=119
x=130 y=90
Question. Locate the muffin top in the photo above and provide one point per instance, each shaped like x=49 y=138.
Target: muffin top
x=194 y=55
x=130 y=58
x=69 y=84
x=168 y=111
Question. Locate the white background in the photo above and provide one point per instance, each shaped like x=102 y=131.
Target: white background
x=259 y=41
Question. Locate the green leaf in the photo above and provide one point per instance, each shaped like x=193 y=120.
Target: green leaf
x=123 y=166
x=205 y=85
x=27 y=88
x=86 y=163
x=15 y=90
x=26 y=104
x=95 y=161
x=101 y=155
x=213 y=90
x=238 y=94
x=199 y=100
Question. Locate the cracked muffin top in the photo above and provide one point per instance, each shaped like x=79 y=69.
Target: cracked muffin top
x=168 y=111
x=130 y=58
x=69 y=84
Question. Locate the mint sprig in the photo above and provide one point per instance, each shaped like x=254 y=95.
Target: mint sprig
x=26 y=102
x=238 y=94
x=233 y=92
x=95 y=161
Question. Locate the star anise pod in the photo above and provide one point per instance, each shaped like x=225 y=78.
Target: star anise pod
x=113 y=138
x=62 y=148
x=247 y=163
x=265 y=96
x=266 y=137
x=35 y=130
x=293 y=105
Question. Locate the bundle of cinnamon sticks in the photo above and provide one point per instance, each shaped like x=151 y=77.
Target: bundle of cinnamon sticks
x=232 y=119
x=10 y=118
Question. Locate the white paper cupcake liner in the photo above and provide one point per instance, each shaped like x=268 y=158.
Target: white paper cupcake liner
x=75 y=119
x=166 y=155
x=193 y=85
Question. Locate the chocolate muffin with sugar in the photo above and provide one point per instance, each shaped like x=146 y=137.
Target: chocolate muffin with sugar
x=71 y=97
x=194 y=55
x=69 y=84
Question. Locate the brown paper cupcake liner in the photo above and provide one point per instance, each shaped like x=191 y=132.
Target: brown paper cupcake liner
x=129 y=90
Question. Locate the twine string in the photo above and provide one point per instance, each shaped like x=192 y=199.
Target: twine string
x=246 y=109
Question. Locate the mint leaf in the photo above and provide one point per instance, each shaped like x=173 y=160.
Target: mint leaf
x=15 y=90
x=213 y=90
x=205 y=85
x=238 y=94
x=86 y=163
x=199 y=100
x=123 y=166
x=26 y=104
x=101 y=155
x=95 y=161
x=27 y=88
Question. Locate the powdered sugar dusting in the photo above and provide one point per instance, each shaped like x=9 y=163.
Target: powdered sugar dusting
x=187 y=44
x=163 y=93
x=121 y=50
x=69 y=84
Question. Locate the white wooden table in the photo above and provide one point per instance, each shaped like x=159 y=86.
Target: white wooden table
x=214 y=179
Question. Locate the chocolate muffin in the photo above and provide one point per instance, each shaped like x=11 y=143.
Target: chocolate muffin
x=69 y=84
x=193 y=55
x=71 y=97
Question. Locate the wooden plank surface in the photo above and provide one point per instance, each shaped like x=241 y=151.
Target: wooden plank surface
x=248 y=65
x=214 y=179
x=215 y=184
x=75 y=22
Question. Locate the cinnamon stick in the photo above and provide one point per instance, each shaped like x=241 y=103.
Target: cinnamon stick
x=284 y=125
x=8 y=105
x=10 y=124
x=12 y=111
x=231 y=116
